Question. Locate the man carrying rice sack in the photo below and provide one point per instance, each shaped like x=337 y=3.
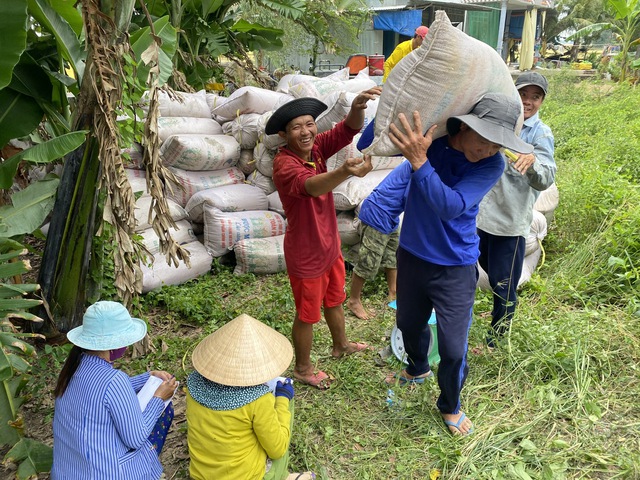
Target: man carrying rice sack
x=312 y=244
x=438 y=249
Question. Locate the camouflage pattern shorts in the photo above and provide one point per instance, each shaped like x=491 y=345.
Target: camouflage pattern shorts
x=377 y=250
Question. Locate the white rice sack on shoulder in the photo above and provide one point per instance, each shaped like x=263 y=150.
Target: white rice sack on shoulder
x=386 y=163
x=246 y=162
x=190 y=182
x=353 y=190
x=244 y=129
x=446 y=76
x=200 y=152
x=262 y=181
x=260 y=256
x=168 y=126
x=537 y=232
x=264 y=159
x=143 y=209
x=184 y=104
x=223 y=229
x=247 y=100
x=183 y=233
x=275 y=203
x=228 y=198
x=158 y=272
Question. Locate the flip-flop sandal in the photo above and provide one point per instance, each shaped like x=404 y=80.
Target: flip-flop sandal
x=401 y=380
x=457 y=424
x=360 y=347
x=319 y=380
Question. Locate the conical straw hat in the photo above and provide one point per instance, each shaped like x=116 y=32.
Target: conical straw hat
x=243 y=352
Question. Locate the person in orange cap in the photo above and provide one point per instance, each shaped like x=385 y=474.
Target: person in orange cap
x=403 y=49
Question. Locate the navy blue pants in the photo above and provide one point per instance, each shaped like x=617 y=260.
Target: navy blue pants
x=502 y=258
x=421 y=287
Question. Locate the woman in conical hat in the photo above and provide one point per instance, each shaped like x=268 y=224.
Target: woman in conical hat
x=239 y=411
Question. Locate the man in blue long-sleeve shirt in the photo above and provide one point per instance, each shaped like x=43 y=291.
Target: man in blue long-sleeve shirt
x=438 y=251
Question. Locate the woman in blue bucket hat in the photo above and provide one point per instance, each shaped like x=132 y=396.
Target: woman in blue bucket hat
x=100 y=429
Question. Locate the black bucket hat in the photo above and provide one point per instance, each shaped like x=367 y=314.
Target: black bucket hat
x=293 y=109
x=496 y=117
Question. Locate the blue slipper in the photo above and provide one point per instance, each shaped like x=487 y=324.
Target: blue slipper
x=402 y=380
x=457 y=424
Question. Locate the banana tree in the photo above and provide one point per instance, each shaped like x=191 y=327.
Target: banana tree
x=625 y=26
x=209 y=29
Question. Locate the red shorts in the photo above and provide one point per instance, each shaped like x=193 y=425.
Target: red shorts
x=327 y=290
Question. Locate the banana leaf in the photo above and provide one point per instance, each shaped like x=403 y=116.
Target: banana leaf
x=30 y=207
x=46 y=152
x=141 y=40
x=13 y=37
x=32 y=457
x=67 y=40
x=19 y=115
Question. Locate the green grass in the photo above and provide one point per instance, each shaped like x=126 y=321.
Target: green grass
x=558 y=401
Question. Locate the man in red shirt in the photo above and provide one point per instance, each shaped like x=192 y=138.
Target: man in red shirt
x=311 y=243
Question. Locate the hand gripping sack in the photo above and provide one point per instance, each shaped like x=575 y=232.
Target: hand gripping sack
x=446 y=76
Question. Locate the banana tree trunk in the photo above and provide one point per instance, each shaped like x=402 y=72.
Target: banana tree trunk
x=65 y=264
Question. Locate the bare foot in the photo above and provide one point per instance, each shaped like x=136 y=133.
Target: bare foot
x=352 y=347
x=458 y=423
x=391 y=296
x=319 y=379
x=357 y=309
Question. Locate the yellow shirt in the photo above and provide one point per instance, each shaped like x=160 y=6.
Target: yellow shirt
x=234 y=444
x=401 y=51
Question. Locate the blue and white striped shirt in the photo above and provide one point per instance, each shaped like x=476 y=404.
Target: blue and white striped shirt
x=99 y=432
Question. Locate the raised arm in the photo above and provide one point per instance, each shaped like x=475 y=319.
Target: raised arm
x=355 y=117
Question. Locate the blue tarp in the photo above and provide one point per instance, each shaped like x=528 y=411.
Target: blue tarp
x=403 y=22
x=515 y=26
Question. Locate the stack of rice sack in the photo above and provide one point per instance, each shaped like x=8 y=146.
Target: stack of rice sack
x=236 y=217
x=184 y=119
x=260 y=247
x=155 y=270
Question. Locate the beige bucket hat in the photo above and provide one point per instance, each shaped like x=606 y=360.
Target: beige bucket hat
x=242 y=353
